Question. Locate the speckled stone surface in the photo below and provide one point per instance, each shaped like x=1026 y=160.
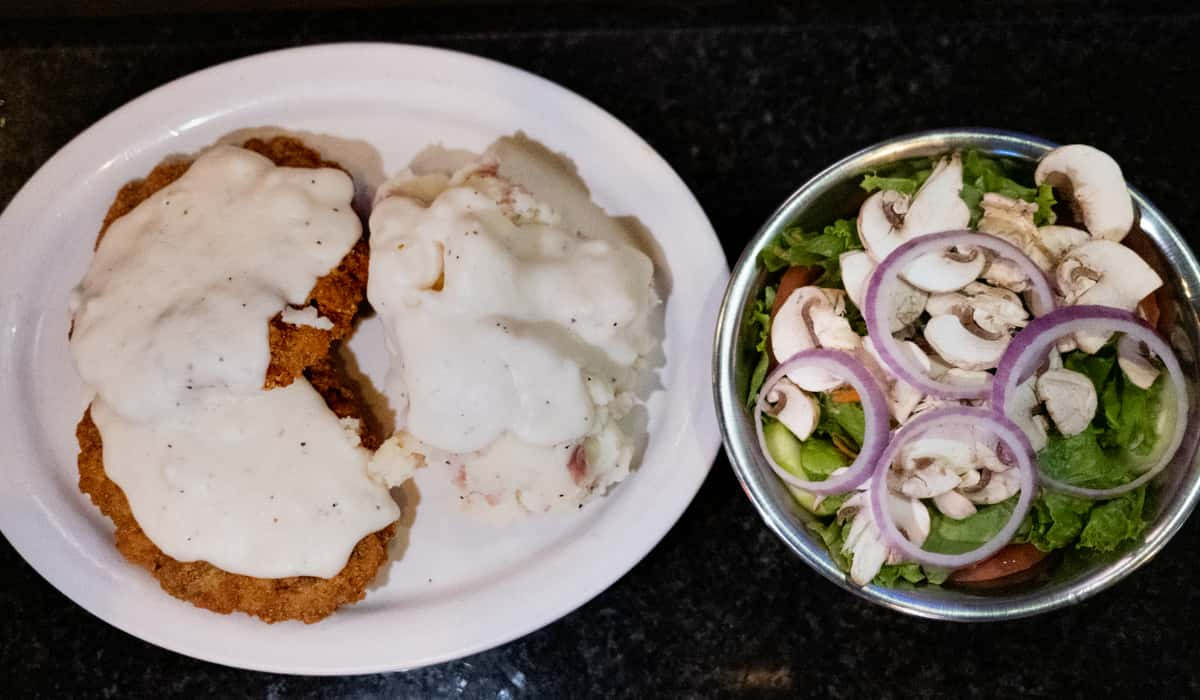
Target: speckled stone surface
x=745 y=104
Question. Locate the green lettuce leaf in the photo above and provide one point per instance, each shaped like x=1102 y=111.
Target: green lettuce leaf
x=830 y=504
x=949 y=536
x=795 y=246
x=982 y=174
x=905 y=177
x=1114 y=522
x=843 y=420
x=1081 y=461
x=1133 y=416
x=820 y=458
x=1056 y=519
x=892 y=574
x=1123 y=431
x=833 y=534
x=1097 y=367
x=758 y=327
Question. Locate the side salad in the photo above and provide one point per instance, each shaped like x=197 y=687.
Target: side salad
x=967 y=377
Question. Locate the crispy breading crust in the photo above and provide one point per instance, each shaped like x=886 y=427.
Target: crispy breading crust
x=295 y=351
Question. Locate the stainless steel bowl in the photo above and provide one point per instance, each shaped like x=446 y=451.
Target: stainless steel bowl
x=835 y=193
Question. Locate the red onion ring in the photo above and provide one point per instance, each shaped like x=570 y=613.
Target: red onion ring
x=875 y=410
x=1029 y=349
x=884 y=279
x=942 y=420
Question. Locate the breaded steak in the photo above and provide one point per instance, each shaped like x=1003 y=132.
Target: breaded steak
x=295 y=351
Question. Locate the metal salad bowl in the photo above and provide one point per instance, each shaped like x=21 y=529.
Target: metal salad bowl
x=835 y=193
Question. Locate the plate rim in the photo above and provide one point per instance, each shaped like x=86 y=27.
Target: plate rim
x=709 y=446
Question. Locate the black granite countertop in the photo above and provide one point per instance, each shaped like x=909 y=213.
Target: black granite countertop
x=746 y=103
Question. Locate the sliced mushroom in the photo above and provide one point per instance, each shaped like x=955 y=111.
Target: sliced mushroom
x=1074 y=279
x=960 y=346
x=1105 y=273
x=971 y=479
x=1066 y=344
x=903 y=398
x=954 y=455
x=856 y=267
x=1000 y=487
x=836 y=299
x=795 y=329
x=907 y=303
x=948 y=271
x=912 y=518
x=929 y=403
x=888 y=219
x=954 y=303
x=1011 y=220
x=925 y=482
x=859 y=516
x=833 y=330
x=1132 y=359
x=965 y=377
x=987 y=460
x=954 y=505
x=790 y=330
x=1022 y=404
x=863 y=541
x=1008 y=218
x=1092 y=181
x=798 y=411
x=1070 y=399
x=918 y=355
x=996 y=311
x=1053 y=243
x=1005 y=273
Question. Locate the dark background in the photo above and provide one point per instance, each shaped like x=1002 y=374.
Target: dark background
x=746 y=101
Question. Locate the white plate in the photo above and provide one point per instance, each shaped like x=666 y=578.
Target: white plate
x=460 y=587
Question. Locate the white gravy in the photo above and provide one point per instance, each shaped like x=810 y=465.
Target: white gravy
x=270 y=485
x=170 y=331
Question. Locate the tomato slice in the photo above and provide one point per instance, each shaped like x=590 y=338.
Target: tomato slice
x=794 y=278
x=1012 y=559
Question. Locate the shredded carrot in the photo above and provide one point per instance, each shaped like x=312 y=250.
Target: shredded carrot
x=846 y=394
x=843 y=447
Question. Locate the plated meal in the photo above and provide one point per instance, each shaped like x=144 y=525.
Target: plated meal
x=136 y=388
x=226 y=442
x=970 y=376
x=299 y=368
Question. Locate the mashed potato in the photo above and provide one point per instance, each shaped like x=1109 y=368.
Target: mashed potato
x=515 y=337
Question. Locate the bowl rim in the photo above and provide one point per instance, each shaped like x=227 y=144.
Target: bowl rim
x=756 y=478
